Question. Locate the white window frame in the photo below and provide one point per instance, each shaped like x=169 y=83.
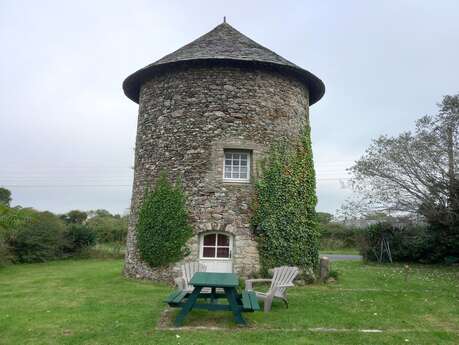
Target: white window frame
x=230 y=246
x=240 y=180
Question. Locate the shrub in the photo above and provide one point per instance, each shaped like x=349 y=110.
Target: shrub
x=10 y=219
x=410 y=243
x=78 y=237
x=109 y=228
x=333 y=274
x=38 y=239
x=6 y=254
x=284 y=219
x=445 y=239
x=337 y=236
x=162 y=227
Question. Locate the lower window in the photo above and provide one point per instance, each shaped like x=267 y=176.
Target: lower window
x=216 y=246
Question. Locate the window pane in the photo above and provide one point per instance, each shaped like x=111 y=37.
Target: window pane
x=236 y=165
x=209 y=240
x=223 y=240
x=208 y=252
x=222 y=252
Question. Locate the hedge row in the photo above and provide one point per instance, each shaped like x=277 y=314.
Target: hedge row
x=27 y=235
x=339 y=236
x=410 y=243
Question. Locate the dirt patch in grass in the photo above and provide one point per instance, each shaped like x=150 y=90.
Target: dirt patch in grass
x=201 y=319
x=442 y=324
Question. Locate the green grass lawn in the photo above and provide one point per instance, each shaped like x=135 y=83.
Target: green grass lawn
x=350 y=251
x=89 y=302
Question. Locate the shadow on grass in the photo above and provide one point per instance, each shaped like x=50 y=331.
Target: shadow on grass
x=203 y=319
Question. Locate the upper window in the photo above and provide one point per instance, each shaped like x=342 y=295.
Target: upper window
x=236 y=166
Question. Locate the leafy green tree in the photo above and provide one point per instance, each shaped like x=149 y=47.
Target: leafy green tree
x=324 y=217
x=74 y=217
x=5 y=196
x=12 y=217
x=100 y=213
x=285 y=220
x=109 y=228
x=162 y=227
x=415 y=173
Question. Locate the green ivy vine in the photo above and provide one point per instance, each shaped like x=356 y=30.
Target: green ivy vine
x=162 y=227
x=284 y=218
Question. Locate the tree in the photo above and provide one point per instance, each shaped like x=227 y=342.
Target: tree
x=324 y=217
x=100 y=213
x=74 y=217
x=414 y=172
x=11 y=218
x=109 y=228
x=162 y=228
x=5 y=196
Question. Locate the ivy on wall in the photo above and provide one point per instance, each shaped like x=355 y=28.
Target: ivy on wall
x=162 y=227
x=284 y=218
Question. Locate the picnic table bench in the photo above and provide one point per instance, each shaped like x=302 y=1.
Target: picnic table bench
x=237 y=303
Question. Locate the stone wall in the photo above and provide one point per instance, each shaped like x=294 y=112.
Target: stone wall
x=186 y=119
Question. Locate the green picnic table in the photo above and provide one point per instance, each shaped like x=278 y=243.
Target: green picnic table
x=237 y=303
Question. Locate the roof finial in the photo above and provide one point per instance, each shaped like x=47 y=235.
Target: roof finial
x=224 y=19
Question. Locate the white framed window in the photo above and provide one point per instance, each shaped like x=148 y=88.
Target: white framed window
x=216 y=246
x=236 y=166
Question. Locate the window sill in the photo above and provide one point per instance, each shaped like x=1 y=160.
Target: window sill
x=216 y=259
x=230 y=181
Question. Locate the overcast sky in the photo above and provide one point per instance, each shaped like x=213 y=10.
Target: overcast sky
x=67 y=131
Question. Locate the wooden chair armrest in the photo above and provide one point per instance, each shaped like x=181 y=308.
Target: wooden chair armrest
x=285 y=285
x=249 y=283
x=180 y=282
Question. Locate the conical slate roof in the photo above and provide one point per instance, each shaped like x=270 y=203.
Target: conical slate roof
x=223 y=45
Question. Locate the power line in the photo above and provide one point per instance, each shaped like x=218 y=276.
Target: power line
x=115 y=185
x=64 y=185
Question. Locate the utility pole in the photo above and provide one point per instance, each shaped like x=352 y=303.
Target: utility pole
x=451 y=168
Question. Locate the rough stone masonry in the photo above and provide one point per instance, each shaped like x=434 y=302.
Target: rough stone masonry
x=191 y=110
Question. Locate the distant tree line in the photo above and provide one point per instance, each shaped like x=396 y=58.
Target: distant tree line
x=28 y=235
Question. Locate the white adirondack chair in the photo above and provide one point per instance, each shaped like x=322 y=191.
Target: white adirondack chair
x=282 y=279
x=188 y=269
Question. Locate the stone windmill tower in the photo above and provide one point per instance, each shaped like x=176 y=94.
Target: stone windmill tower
x=207 y=113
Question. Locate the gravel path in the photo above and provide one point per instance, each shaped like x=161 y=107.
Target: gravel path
x=342 y=257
